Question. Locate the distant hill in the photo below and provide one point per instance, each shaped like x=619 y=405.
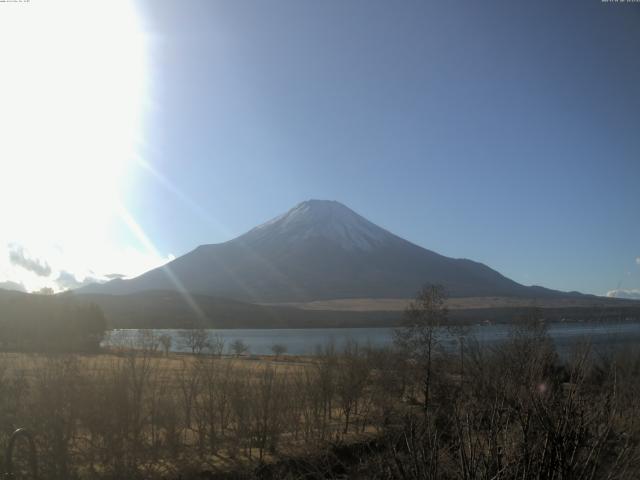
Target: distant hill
x=49 y=322
x=170 y=309
x=320 y=250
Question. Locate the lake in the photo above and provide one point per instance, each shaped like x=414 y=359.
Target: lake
x=304 y=341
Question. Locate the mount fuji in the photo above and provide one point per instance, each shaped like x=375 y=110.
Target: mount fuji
x=319 y=250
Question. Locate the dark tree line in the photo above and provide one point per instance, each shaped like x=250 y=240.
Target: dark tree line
x=49 y=323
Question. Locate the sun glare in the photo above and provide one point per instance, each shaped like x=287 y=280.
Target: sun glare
x=72 y=94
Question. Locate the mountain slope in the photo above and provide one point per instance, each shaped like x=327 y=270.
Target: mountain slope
x=319 y=250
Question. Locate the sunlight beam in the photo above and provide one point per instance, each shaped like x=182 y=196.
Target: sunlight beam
x=142 y=237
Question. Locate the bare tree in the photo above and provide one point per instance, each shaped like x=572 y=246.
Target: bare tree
x=190 y=385
x=387 y=382
x=165 y=340
x=351 y=380
x=325 y=381
x=147 y=341
x=196 y=339
x=420 y=335
x=278 y=349
x=460 y=332
x=216 y=345
x=239 y=347
x=267 y=411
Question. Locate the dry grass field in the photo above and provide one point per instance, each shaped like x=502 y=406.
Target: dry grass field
x=462 y=303
x=415 y=411
x=143 y=414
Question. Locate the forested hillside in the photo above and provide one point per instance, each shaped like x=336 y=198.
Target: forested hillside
x=46 y=322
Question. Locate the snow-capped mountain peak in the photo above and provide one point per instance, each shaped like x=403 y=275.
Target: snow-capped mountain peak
x=326 y=219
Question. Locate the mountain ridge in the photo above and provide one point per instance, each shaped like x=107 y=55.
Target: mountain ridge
x=319 y=250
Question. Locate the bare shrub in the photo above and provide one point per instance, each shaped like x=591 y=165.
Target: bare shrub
x=278 y=349
x=238 y=347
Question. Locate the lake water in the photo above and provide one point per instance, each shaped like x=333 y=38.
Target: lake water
x=304 y=341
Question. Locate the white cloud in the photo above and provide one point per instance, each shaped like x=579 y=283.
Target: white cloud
x=18 y=256
x=638 y=260
x=34 y=266
x=113 y=276
x=67 y=280
x=632 y=294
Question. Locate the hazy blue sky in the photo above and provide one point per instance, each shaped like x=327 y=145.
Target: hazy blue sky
x=505 y=132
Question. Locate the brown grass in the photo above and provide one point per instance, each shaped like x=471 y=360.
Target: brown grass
x=400 y=304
